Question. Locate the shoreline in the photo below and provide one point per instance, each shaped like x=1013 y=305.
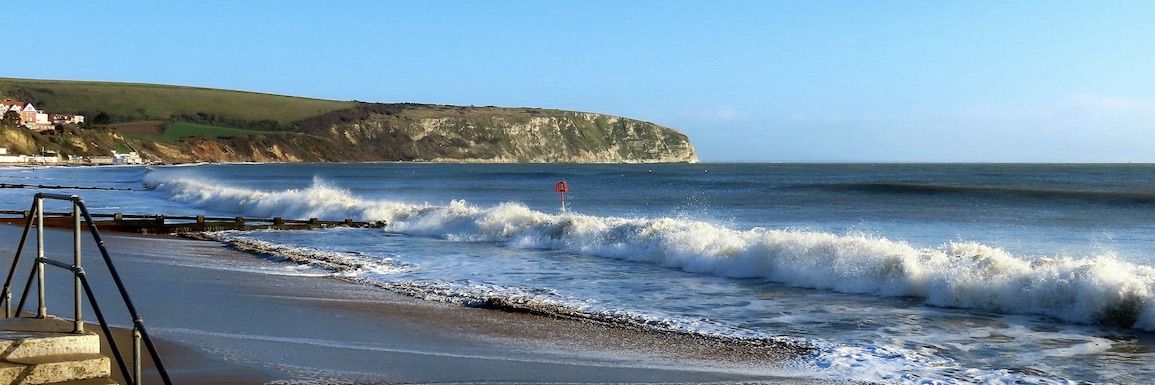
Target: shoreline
x=770 y=348
x=296 y=326
x=183 y=362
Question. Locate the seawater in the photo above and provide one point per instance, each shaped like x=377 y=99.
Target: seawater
x=907 y=273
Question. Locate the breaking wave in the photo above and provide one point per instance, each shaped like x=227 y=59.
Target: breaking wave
x=1100 y=289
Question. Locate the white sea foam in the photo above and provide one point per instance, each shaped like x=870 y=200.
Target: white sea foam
x=887 y=364
x=317 y=201
x=339 y=264
x=1099 y=289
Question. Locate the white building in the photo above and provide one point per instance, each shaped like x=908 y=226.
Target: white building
x=26 y=159
x=129 y=158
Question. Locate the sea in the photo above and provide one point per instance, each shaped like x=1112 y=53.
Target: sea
x=888 y=273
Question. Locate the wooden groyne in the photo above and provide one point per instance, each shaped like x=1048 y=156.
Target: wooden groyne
x=40 y=186
x=165 y=224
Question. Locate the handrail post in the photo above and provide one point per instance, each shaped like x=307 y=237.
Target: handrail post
x=137 y=367
x=77 y=324
x=16 y=263
x=42 y=309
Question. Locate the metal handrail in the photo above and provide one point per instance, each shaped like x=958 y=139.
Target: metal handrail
x=80 y=284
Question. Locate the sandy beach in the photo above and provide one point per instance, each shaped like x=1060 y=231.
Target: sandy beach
x=224 y=316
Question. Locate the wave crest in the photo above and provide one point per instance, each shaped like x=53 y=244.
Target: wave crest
x=1103 y=289
x=320 y=200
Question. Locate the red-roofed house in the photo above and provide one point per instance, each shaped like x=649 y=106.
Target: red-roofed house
x=65 y=119
x=35 y=119
x=27 y=111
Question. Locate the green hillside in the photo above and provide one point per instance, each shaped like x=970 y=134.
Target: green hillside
x=126 y=102
x=187 y=124
x=174 y=132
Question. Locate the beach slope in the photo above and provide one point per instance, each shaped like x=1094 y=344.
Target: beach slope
x=229 y=316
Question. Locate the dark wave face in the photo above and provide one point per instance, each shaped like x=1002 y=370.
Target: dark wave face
x=989 y=194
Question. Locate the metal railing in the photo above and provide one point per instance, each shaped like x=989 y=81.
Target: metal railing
x=80 y=285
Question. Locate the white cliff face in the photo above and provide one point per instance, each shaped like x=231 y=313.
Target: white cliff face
x=548 y=136
x=450 y=134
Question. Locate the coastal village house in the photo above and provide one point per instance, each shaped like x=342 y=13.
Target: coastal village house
x=41 y=121
x=37 y=119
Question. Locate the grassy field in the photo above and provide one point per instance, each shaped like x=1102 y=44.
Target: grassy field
x=172 y=132
x=141 y=129
x=160 y=102
x=180 y=130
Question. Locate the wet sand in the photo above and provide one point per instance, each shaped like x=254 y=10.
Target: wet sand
x=223 y=316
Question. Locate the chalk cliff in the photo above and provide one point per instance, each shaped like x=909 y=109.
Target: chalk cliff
x=415 y=132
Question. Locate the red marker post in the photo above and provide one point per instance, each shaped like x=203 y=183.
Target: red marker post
x=562 y=188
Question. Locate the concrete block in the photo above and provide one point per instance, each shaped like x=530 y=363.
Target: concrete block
x=54 y=369
x=45 y=351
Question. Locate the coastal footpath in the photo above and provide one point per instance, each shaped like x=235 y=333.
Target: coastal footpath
x=172 y=124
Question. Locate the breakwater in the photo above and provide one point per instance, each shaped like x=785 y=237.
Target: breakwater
x=168 y=224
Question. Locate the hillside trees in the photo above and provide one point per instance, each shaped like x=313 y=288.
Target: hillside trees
x=10 y=119
x=221 y=120
x=102 y=118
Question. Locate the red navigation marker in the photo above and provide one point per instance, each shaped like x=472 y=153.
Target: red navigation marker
x=562 y=188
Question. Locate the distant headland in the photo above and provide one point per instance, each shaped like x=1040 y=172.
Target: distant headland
x=175 y=124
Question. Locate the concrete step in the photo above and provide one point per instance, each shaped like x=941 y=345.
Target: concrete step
x=90 y=381
x=15 y=345
x=45 y=351
x=54 y=369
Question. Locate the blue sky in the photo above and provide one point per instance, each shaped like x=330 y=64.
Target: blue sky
x=909 y=81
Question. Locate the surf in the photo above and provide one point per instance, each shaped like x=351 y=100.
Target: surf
x=1097 y=289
